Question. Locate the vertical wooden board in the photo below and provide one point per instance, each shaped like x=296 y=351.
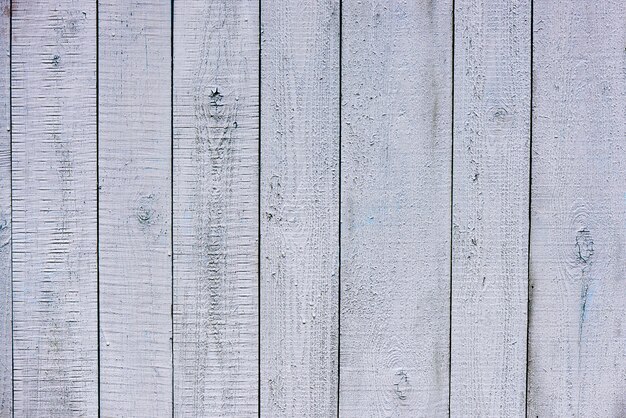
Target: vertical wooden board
x=54 y=200
x=216 y=148
x=6 y=334
x=577 y=336
x=299 y=207
x=135 y=208
x=395 y=208
x=490 y=207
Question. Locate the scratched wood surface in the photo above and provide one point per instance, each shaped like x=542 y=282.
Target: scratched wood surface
x=6 y=329
x=312 y=208
x=395 y=208
x=54 y=222
x=135 y=142
x=216 y=149
x=490 y=208
x=577 y=335
x=299 y=207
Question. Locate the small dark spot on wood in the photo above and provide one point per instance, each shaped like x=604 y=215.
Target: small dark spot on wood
x=499 y=114
x=401 y=386
x=474 y=242
x=6 y=10
x=55 y=60
x=584 y=246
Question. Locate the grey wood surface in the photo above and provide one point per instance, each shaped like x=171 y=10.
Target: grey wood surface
x=312 y=208
x=299 y=207
x=6 y=313
x=54 y=222
x=395 y=208
x=490 y=208
x=577 y=330
x=216 y=162
x=135 y=250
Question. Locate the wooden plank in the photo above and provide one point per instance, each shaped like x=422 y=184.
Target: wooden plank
x=299 y=207
x=6 y=333
x=216 y=161
x=395 y=208
x=490 y=208
x=577 y=337
x=135 y=208
x=54 y=198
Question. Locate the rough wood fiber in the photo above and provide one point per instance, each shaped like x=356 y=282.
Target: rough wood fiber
x=135 y=208
x=490 y=207
x=54 y=208
x=6 y=335
x=395 y=208
x=299 y=207
x=577 y=353
x=216 y=146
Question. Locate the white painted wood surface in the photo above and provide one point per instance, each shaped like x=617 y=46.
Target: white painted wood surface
x=53 y=78
x=490 y=208
x=395 y=208
x=299 y=207
x=6 y=329
x=135 y=141
x=289 y=117
x=216 y=148
x=577 y=353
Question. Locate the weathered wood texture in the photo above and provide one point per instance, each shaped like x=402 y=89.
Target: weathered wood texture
x=490 y=208
x=53 y=78
x=299 y=207
x=577 y=353
x=6 y=334
x=216 y=148
x=135 y=208
x=395 y=208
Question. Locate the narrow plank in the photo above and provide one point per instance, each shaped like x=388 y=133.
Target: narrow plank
x=6 y=333
x=490 y=208
x=299 y=207
x=135 y=208
x=395 y=208
x=216 y=160
x=577 y=336
x=55 y=335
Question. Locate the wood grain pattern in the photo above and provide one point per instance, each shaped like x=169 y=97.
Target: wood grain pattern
x=577 y=354
x=490 y=208
x=6 y=331
x=299 y=207
x=216 y=148
x=53 y=78
x=135 y=208
x=395 y=210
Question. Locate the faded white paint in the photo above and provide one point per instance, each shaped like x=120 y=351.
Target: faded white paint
x=135 y=142
x=216 y=161
x=299 y=207
x=490 y=208
x=198 y=247
x=395 y=208
x=53 y=78
x=6 y=329
x=577 y=337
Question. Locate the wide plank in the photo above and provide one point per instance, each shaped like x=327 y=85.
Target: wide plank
x=299 y=207
x=577 y=335
x=135 y=141
x=216 y=226
x=395 y=208
x=490 y=207
x=54 y=198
